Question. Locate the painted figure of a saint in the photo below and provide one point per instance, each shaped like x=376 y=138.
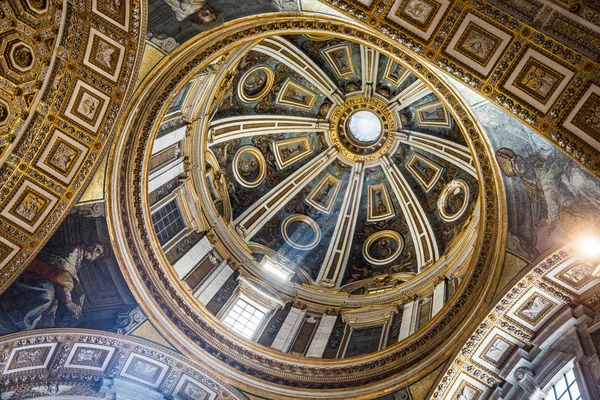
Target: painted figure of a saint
x=47 y=287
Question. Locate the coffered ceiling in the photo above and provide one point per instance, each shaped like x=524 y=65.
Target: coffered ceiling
x=65 y=75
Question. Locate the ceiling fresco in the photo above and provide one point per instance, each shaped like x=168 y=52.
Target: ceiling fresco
x=73 y=282
x=339 y=59
x=174 y=22
x=288 y=93
x=550 y=198
x=319 y=200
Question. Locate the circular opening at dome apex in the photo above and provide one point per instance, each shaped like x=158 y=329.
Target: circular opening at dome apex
x=365 y=126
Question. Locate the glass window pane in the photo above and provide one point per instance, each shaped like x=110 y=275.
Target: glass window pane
x=243 y=318
x=566 y=388
x=570 y=377
x=167 y=222
x=560 y=387
x=363 y=341
x=575 y=395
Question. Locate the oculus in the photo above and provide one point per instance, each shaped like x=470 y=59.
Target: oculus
x=453 y=200
x=383 y=247
x=249 y=166
x=364 y=127
x=256 y=83
x=301 y=232
x=343 y=140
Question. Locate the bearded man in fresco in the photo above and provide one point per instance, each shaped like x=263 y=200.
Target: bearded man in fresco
x=46 y=286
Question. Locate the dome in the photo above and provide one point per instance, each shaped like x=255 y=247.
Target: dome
x=336 y=191
x=336 y=163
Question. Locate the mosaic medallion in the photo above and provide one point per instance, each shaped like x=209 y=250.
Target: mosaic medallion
x=256 y=83
x=249 y=166
x=383 y=247
x=454 y=200
x=301 y=232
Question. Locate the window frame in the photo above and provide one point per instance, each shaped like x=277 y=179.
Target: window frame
x=175 y=237
x=561 y=376
x=242 y=297
x=352 y=329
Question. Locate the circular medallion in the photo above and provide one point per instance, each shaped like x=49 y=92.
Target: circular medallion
x=383 y=247
x=256 y=83
x=249 y=167
x=301 y=232
x=453 y=200
x=362 y=129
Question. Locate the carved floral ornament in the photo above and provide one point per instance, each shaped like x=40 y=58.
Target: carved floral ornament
x=63 y=87
x=156 y=282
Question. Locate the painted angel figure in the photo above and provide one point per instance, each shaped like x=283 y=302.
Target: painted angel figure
x=535 y=307
x=63 y=157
